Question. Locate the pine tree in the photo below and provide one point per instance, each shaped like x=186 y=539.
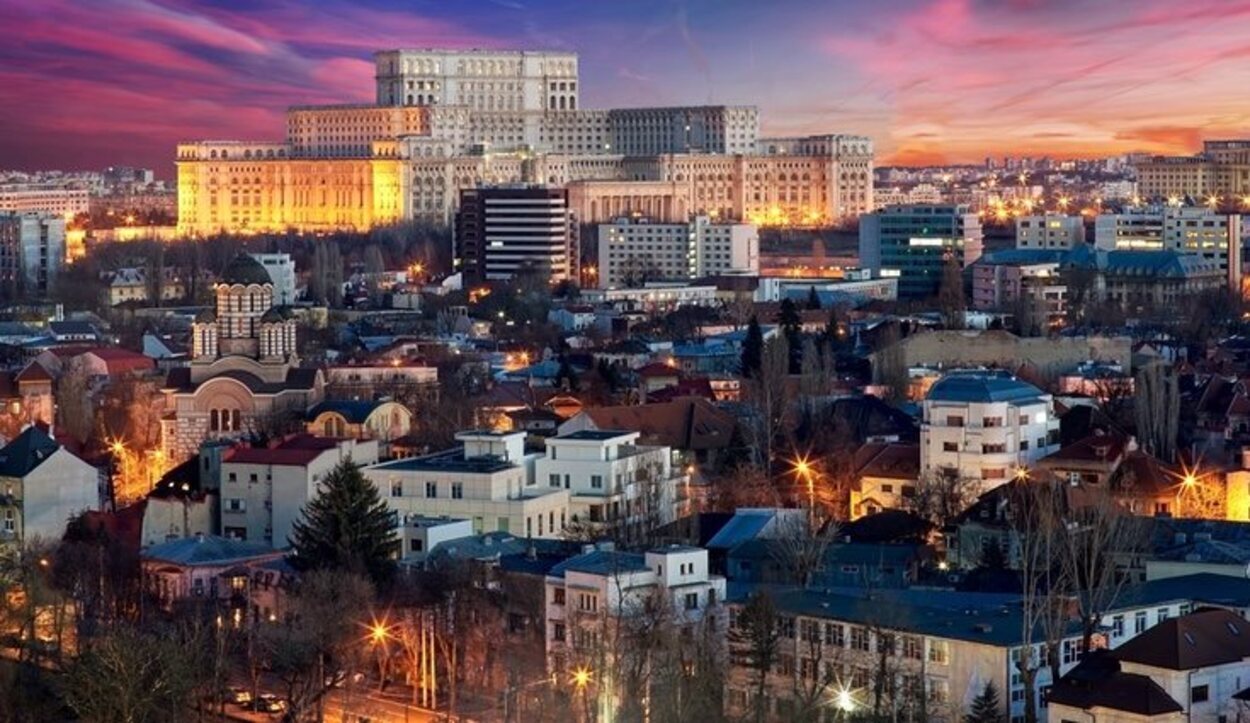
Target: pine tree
x=346 y=526
x=813 y=299
x=985 y=707
x=951 y=299
x=792 y=327
x=752 y=349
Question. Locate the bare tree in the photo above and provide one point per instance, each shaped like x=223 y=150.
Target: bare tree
x=951 y=299
x=755 y=644
x=1158 y=410
x=767 y=395
x=1036 y=516
x=1100 y=532
x=942 y=495
x=799 y=549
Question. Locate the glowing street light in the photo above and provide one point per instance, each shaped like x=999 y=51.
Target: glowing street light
x=845 y=700
x=581 y=678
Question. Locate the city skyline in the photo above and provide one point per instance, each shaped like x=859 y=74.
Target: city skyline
x=935 y=81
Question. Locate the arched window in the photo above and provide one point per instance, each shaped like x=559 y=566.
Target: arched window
x=214 y=421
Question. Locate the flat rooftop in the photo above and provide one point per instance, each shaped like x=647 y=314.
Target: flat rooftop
x=596 y=435
x=451 y=460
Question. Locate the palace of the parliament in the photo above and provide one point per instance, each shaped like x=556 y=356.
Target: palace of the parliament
x=445 y=120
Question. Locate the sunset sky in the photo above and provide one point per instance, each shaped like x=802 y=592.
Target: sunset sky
x=89 y=83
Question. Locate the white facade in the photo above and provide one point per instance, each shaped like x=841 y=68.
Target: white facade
x=489 y=481
x=630 y=251
x=612 y=482
x=25 y=198
x=419 y=535
x=478 y=79
x=32 y=251
x=585 y=593
x=282 y=272
x=58 y=489
x=263 y=491
x=654 y=296
x=1051 y=231
x=984 y=426
x=1136 y=230
x=1203 y=232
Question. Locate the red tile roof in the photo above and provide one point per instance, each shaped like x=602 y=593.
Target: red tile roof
x=690 y=423
x=120 y=361
x=888 y=460
x=294 y=451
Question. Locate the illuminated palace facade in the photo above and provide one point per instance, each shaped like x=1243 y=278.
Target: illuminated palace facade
x=445 y=120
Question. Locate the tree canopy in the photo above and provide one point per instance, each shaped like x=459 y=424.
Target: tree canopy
x=346 y=526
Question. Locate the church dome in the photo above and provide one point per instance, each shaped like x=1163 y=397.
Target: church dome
x=272 y=316
x=207 y=316
x=245 y=270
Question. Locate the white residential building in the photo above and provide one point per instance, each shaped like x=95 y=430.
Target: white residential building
x=489 y=481
x=42 y=487
x=632 y=252
x=985 y=425
x=613 y=483
x=1051 y=231
x=264 y=489
x=281 y=271
x=585 y=592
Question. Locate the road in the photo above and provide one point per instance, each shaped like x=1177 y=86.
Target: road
x=373 y=708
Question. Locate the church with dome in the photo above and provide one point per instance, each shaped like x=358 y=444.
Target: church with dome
x=244 y=373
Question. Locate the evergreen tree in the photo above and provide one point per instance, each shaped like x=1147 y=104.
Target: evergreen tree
x=792 y=327
x=813 y=299
x=951 y=299
x=752 y=349
x=346 y=526
x=566 y=377
x=985 y=707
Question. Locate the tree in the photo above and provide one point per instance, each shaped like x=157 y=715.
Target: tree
x=951 y=298
x=1097 y=535
x=130 y=676
x=813 y=299
x=754 y=644
x=1035 y=515
x=986 y=707
x=752 y=349
x=1080 y=281
x=323 y=634
x=942 y=495
x=767 y=396
x=889 y=362
x=799 y=549
x=1157 y=410
x=346 y=526
x=791 y=328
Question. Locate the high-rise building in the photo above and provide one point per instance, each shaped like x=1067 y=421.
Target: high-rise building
x=32 y=252
x=478 y=79
x=1221 y=169
x=1051 y=231
x=634 y=251
x=447 y=121
x=44 y=198
x=913 y=243
x=503 y=231
x=1191 y=230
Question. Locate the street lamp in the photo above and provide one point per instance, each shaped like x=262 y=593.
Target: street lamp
x=581 y=678
x=805 y=471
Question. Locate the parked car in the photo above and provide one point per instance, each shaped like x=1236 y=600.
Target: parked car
x=269 y=703
x=238 y=696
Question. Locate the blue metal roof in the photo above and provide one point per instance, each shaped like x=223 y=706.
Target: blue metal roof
x=602 y=562
x=206 y=550
x=353 y=410
x=983 y=386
